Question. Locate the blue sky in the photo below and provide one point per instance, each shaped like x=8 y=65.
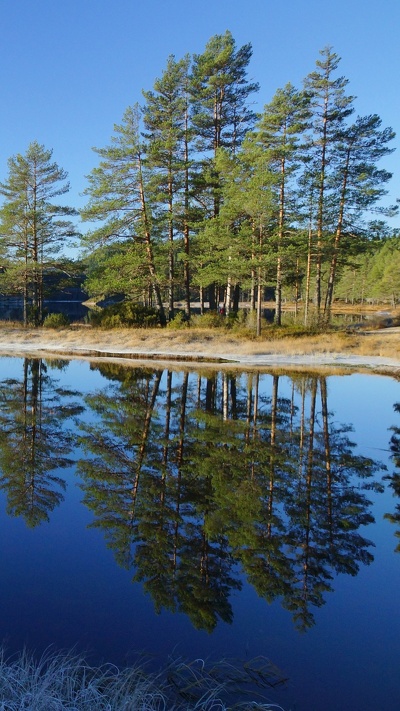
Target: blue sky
x=69 y=69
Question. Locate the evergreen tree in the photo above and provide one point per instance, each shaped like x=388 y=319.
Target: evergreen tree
x=358 y=185
x=278 y=136
x=220 y=90
x=220 y=115
x=32 y=227
x=384 y=273
x=118 y=197
x=166 y=121
x=330 y=107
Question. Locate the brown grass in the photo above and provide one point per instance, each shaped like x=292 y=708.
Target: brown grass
x=193 y=342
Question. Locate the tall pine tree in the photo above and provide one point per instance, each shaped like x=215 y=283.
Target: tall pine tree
x=118 y=197
x=331 y=106
x=33 y=228
x=166 y=122
x=221 y=115
x=278 y=138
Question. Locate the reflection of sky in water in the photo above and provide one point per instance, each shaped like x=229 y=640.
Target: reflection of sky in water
x=82 y=377
x=367 y=401
x=60 y=583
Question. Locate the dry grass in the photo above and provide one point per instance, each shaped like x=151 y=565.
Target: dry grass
x=61 y=682
x=196 y=342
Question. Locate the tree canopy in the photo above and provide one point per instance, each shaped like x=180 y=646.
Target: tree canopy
x=198 y=198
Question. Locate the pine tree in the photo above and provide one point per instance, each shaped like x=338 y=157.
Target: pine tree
x=118 y=197
x=358 y=185
x=241 y=245
x=166 y=121
x=32 y=227
x=278 y=136
x=331 y=106
x=220 y=114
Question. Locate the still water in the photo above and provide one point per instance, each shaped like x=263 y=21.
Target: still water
x=206 y=515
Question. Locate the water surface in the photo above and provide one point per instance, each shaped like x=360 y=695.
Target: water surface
x=205 y=515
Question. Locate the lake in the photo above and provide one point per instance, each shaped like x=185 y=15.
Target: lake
x=205 y=515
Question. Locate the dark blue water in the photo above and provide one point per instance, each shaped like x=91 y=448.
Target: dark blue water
x=205 y=515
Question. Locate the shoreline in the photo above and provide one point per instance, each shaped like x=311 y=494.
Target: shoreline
x=376 y=352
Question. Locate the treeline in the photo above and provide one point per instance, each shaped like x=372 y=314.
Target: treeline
x=374 y=276
x=197 y=197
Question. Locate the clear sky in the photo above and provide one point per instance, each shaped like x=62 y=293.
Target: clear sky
x=70 y=68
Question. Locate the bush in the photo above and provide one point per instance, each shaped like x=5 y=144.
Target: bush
x=125 y=314
x=179 y=321
x=211 y=319
x=56 y=321
x=243 y=323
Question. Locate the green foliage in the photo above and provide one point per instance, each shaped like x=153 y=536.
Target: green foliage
x=373 y=275
x=125 y=314
x=119 y=198
x=118 y=268
x=194 y=191
x=56 y=321
x=211 y=319
x=178 y=322
x=32 y=227
x=244 y=323
x=220 y=89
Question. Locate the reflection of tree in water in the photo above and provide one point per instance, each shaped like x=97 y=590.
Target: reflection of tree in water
x=118 y=443
x=188 y=475
x=288 y=494
x=326 y=504
x=394 y=478
x=133 y=481
x=34 y=442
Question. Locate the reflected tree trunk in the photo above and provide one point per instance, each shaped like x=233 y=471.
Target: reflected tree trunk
x=210 y=394
x=274 y=406
x=327 y=448
x=143 y=443
x=181 y=441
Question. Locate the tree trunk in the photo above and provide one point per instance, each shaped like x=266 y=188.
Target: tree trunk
x=259 y=303
x=149 y=247
x=321 y=201
x=236 y=297
x=171 y=266
x=186 y=269
x=338 y=234
x=308 y=276
x=278 y=293
x=228 y=299
x=201 y=298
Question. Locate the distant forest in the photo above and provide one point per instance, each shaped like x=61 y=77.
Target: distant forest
x=197 y=198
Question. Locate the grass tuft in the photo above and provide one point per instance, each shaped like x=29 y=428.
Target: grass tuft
x=65 y=682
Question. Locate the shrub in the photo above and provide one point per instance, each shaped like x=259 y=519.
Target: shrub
x=56 y=321
x=243 y=323
x=125 y=314
x=211 y=319
x=179 y=321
